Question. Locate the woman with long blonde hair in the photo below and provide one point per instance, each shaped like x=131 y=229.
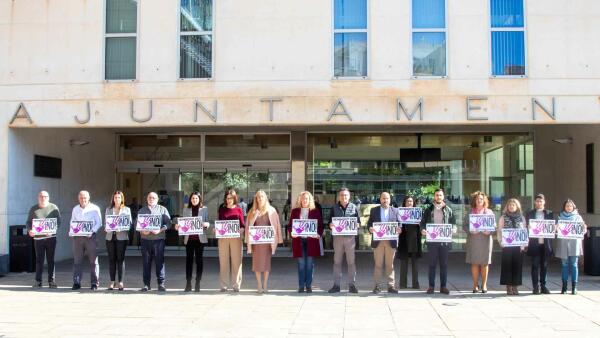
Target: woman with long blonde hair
x=305 y=249
x=263 y=214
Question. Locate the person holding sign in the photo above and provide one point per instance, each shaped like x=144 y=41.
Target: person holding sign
x=479 y=227
x=305 y=227
x=153 y=241
x=46 y=217
x=409 y=242
x=344 y=218
x=231 y=228
x=569 y=246
x=85 y=242
x=194 y=244
x=383 y=225
x=511 y=270
x=540 y=248
x=262 y=214
x=117 y=239
x=438 y=213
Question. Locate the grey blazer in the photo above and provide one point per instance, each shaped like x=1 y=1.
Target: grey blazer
x=187 y=212
x=121 y=235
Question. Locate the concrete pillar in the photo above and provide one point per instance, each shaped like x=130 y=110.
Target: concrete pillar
x=4 y=259
x=298 y=144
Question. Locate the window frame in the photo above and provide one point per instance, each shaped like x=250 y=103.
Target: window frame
x=353 y=30
x=427 y=30
x=507 y=29
x=212 y=52
x=135 y=35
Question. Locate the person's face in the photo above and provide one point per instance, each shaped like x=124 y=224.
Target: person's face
x=84 y=199
x=569 y=207
x=305 y=200
x=117 y=200
x=512 y=207
x=195 y=200
x=344 y=197
x=260 y=200
x=152 y=199
x=479 y=201
x=43 y=198
x=385 y=200
x=230 y=200
x=409 y=203
x=438 y=197
x=540 y=203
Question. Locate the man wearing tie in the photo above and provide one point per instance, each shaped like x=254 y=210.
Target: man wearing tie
x=384 y=251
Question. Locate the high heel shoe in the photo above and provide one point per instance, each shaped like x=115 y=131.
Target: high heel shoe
x=121 y=288
x=111 y=286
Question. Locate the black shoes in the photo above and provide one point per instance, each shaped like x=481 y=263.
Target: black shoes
x=352 y=288
x=76 y=287
x=545 y=290
x=146 y=288
x=309 y=289
x=376 y=289
x=52 y=285
x=300 y=290
x=392 y=289
x=574 y=288
x=536 y=290
x=197 y=286
x=334 y=289
x=563 y=290
x=37 y=285
x=188 y=286
x=94 y=287
x=162 y=288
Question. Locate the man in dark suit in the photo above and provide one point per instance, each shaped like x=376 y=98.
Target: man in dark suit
x=539 y=249
x=384 y=251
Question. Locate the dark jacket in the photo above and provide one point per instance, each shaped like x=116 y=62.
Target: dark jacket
x=533 y=249
x=403 y=245
x=447 y=219
x=375 y=216
x=313 y=246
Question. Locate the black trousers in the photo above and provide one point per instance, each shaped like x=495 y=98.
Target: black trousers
x=116 y=258
x=404 y=270
x=194 y=249
x=44 y=249
x=438 y=253
x=539 y=266
x=511 y=270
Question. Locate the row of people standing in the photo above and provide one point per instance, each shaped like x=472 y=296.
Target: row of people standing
x=306 y=249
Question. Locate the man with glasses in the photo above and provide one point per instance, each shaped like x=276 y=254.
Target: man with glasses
x=45 y=245
x=344 y=244
x=153 y=243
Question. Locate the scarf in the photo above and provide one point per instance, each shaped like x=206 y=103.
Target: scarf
x=512 y=220
x=569 y=216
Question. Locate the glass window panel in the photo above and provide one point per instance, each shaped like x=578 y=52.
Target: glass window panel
x=120 y=58
x=507 y=13
x=196 y=15
x=121 y=16
x=428 y=14
x=508 y=53
x=247 y=147
x=159 y=148
x=195 y=56
x=350 y=53
x=429 y=54
x=350 y=14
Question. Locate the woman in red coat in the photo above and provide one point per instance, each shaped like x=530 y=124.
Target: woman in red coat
x=305 y=248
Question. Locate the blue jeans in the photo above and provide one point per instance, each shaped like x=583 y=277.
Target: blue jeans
x=306 y=266
x=570 y=262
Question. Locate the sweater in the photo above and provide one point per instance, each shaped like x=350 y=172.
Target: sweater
x=36 y=212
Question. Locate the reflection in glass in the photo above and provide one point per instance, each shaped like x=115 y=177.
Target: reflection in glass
x=429 y=54
x=196 y=15
x=120 y=58
x=121 y=16
x=350 y=53
x=195 y=56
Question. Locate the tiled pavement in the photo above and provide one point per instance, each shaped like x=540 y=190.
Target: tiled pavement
x=282 y=312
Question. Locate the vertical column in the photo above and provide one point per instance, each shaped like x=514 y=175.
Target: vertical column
x=298 y=153
x=4 y=259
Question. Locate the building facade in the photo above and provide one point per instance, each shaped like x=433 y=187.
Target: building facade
x=174 y=96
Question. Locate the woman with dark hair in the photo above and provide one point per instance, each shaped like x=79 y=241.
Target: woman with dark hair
x=230 y=249
x=569 y=250
x=511 y=268
x=194 y=244
x=409 y=247
x=116 y=241
x=479 y=244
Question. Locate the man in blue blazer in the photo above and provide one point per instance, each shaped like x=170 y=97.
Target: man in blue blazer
x=384 y=251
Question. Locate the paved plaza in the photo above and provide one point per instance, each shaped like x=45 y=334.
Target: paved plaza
x=25 y=312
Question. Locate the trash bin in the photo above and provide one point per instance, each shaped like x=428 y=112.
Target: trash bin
x=21 y=249
x=591 y=252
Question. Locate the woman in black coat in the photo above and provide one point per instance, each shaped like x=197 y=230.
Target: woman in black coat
x=409 y=247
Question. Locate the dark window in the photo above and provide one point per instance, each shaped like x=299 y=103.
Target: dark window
x=589 y=176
